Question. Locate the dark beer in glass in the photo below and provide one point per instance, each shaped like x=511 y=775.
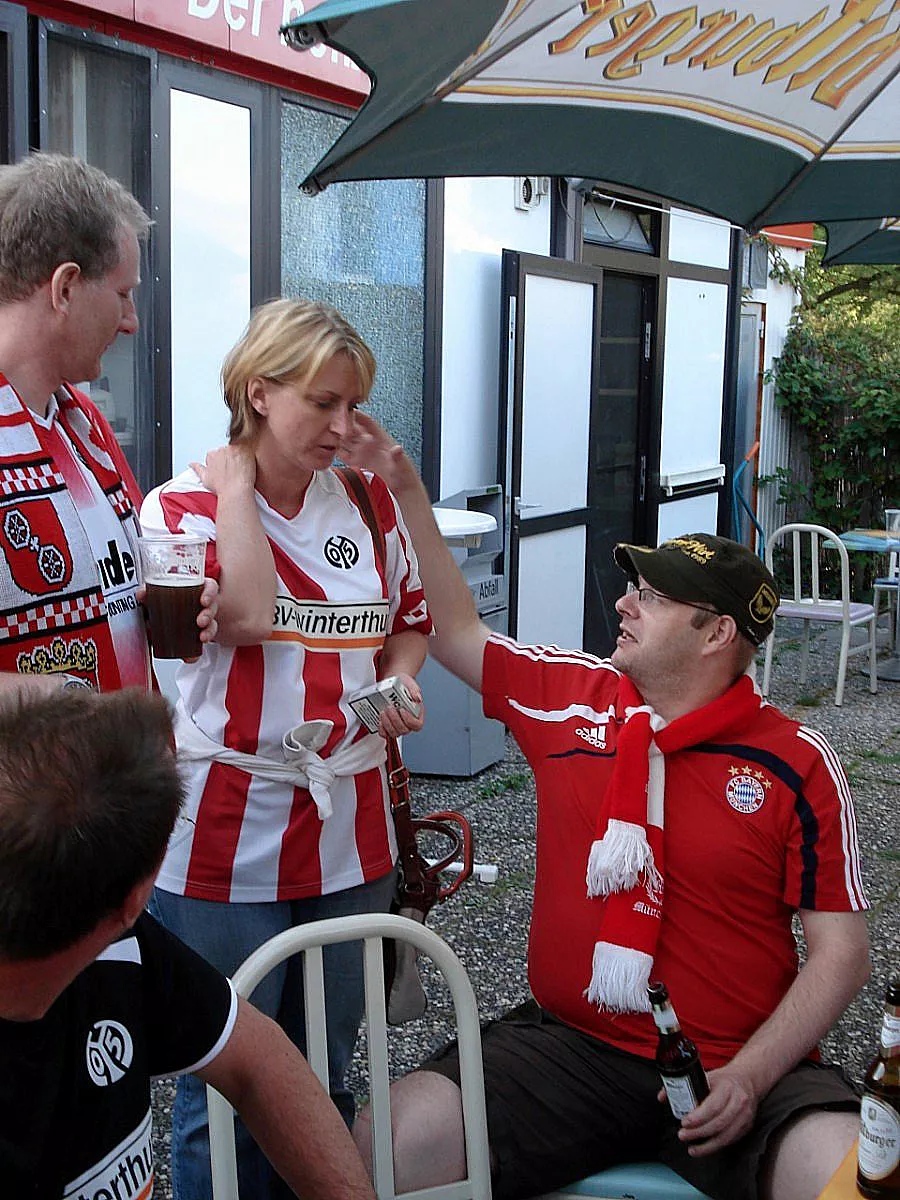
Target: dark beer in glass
x=172 y=570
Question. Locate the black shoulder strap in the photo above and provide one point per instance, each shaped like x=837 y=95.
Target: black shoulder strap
x=360 y=488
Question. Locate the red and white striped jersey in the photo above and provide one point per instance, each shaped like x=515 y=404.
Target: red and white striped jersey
x=250 y=839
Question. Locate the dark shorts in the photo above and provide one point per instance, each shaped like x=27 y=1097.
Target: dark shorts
x=562 y=1105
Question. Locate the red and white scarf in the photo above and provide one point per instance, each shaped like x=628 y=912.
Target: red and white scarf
x=55 y=608
x=626 y=865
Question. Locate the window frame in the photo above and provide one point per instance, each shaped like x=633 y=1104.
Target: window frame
x=14 y=86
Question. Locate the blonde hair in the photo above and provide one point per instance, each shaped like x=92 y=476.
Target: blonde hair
x=288 y=341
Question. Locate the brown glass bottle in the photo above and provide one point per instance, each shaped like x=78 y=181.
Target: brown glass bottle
x=677 y=1057
x=878 y=1171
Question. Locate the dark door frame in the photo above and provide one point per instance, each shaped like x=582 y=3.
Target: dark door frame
x=15 y=100
x=568 y=238
x=516 y=266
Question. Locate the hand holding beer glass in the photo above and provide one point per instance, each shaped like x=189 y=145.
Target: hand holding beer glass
x=172 y=569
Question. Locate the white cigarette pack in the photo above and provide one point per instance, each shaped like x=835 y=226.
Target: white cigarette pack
x=369 y=703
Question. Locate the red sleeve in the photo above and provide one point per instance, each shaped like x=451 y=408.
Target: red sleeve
x=180 y=508
x=531 y=687
x=823 y=868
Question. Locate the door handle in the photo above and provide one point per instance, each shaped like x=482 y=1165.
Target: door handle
x=520 y=505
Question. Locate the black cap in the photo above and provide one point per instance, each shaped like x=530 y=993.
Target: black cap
x=704 y=569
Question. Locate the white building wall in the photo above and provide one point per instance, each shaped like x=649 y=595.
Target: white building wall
x=480 y=221
x=775 y=449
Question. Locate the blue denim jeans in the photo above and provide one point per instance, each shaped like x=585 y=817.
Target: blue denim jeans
x=225 y=934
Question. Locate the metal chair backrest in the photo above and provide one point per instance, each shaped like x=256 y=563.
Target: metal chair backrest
x=371 y=928
x=819 y=537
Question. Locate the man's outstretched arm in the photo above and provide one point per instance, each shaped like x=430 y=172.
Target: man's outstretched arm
x=266 y=1078
x=459 y=634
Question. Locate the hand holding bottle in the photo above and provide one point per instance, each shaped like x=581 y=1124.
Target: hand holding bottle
x=714 y=1110
x=724 y=1116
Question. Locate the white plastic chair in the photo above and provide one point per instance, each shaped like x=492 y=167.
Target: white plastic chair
x=371 y=929
x=809 y=605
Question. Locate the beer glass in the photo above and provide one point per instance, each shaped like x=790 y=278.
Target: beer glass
x=172 y=570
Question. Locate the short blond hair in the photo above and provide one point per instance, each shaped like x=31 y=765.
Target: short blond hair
x=288 y=341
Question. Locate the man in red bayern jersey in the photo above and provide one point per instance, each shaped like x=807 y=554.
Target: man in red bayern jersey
x=682 y=822
x=69 y=264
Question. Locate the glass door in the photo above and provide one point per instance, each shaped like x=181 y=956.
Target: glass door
x=98 y=108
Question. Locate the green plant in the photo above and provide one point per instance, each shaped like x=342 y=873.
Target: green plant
x=842 y=389
x=514 y=782
x=839 y=379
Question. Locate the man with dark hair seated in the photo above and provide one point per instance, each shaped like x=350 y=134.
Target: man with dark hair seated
x=95 y=997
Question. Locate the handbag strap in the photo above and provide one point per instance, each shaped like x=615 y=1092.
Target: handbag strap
x=361 y=490
x=421 y=885
x=397 y=775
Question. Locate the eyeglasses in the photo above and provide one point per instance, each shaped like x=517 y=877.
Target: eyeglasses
x=647 y=596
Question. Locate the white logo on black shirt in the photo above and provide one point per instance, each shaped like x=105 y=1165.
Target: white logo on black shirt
x=108 y=1051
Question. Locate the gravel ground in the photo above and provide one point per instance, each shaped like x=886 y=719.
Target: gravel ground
x=487 y=924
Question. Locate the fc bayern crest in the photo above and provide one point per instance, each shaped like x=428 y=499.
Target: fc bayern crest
x=745 y=792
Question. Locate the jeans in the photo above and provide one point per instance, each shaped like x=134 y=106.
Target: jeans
x=225 y=934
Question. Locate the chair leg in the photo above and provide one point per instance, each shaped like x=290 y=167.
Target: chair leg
x=842 y=665
x=767 y=669
x=804 y=657
x=873 y=677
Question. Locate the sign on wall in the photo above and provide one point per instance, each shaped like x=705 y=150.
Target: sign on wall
x=245 y=27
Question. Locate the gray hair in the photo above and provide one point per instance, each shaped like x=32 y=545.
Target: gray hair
x=56 y=209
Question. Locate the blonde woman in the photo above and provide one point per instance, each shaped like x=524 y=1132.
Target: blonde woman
x=309 y=612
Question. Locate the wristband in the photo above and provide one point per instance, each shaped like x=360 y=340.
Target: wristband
x=73 y=681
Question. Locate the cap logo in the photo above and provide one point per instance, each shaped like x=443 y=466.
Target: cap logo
x=763 y=604
x=693 y=548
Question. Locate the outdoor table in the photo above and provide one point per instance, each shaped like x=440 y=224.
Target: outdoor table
x=879 y=541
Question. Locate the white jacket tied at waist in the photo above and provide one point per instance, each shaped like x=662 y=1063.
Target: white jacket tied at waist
x=302 y=765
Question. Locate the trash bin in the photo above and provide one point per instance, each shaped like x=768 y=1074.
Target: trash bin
x=458 y=739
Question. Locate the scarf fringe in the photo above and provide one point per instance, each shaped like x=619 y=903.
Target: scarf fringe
x=619 y=978
x=618 y=858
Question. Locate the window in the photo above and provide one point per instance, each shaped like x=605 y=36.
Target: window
x=756 y=263
x=611 y=222
x=13 y=82
x=360 y=247
x=98 y=109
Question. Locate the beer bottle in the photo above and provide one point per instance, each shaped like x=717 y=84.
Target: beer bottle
x=878 y=1174
x=677 y=1057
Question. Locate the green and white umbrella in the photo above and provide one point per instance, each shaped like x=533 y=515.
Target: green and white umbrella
x=766 y=112
x=867 y=243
